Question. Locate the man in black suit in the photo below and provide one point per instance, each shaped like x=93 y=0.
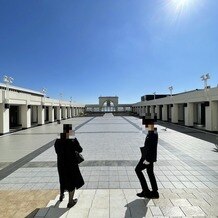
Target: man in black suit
x=149 y=156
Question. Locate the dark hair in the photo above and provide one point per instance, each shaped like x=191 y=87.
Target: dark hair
x=149 y=119
x=67 y=128
x=63 y=135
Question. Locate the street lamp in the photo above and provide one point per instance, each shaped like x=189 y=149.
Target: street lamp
x=7 y=80
x=154 y=93
x=205 y=78
x=44 y=90
x=171 y=90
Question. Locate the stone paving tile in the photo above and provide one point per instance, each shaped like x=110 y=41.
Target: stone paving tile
x=189 y=185
x=210 y=211
x=156 y=211
x=198 y=202
x=192 y=210
x=167 y=184
x=180 y=202
x=170 y=195
x=161 y=202
x=172 y=211
x=186 y=195
x=178 y=184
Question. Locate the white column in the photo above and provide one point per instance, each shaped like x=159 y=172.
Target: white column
x=152 y=109
x=175 y=113
x=58 y=113
x=67 y=112
x=41 y=115
x=76 y=111
x=189 y=118
x=64 y=112
x=164 y=113
x=157 y=110
x=73 y=112
x=211 y=116
x=4 y=119
x=146 y=110
x=25 y=116
x=70 y=112
x=149 y=109
x=51 y=114
x=140 y=111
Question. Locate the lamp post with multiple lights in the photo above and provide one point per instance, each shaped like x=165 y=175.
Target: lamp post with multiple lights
x=8 y=81
x=154 y=93
x=205 y=78
x=44 y=90
x=171 y=90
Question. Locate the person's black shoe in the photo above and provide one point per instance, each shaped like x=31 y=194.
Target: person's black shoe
x=144 y=194
x=154 y=195
x=61 y=197
x=69 y=205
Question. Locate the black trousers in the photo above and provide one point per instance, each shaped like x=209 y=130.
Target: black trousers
x=150 y=171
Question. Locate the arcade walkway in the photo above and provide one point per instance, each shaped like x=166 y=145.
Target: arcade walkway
x=186 y=171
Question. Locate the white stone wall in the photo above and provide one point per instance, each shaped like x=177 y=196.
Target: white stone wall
x=192 y=113
x=35 y=112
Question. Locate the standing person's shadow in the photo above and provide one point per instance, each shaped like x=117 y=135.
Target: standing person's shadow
x=137 y=208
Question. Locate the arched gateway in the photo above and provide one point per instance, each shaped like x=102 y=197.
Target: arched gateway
x=108 y=104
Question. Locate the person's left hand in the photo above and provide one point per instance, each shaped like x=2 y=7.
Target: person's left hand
x=146 y=162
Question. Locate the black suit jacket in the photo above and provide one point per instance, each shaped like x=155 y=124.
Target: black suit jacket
x=149 y=151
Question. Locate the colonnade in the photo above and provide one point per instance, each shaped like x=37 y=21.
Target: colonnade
x=21 y=110
x=96 y=108
x=202 y=114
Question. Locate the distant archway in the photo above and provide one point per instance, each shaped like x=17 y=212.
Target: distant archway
x=108 y=103
x=108 y=106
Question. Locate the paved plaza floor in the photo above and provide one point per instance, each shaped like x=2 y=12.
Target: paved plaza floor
x=186 y=172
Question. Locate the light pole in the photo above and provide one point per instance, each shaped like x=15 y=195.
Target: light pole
x=205 y=78
x=171 y=90
x=7 y=80
x=44 y=90
x=154 y=93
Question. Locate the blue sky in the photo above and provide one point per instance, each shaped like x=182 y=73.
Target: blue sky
x=91 y=48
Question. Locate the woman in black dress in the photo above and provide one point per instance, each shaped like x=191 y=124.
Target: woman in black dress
x=69 y=174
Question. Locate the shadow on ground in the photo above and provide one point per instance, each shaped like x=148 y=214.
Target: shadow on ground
x=215 y=149
x=137 y=208
x=52 y=212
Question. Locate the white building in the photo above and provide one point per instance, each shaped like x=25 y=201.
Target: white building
x=23 y=108
x=198 y=108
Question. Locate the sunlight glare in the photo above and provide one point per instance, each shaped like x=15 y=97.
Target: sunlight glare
x=179 y=5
